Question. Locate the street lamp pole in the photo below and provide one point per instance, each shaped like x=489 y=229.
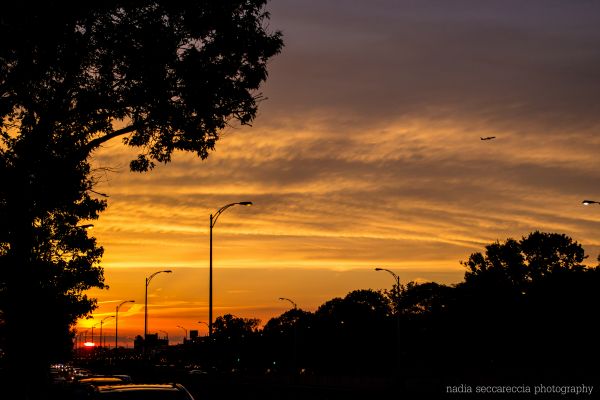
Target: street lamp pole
x=117 y=322
x=202 y=322
x=148 y=279
x=93 y=326
x=186 y=332
x=102 y=323
x=290 y=300
x=295 y=350
x=397 y=278
x=166 y=334
x=213 y=221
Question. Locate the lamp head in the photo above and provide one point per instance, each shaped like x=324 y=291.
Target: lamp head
x=245 y=203
x=588 y=202
x=168 y=271
x=378 y=269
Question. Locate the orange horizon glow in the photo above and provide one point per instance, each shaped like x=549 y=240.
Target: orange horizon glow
x=366 y=154
x=142 y=237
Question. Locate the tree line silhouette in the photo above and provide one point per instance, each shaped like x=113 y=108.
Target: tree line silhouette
x=525 y=310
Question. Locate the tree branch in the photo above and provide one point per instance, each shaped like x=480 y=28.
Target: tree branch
x=92 y=144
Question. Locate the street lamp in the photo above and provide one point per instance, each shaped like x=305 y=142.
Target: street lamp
x=166 y=334
x=93 y=326
x=117 y=322
x=213 y=221
x=102 y=323
x=148 y=279
x=295 y=349
x=202 y=322
x=588 y=202
x=290 y=300
x=397 y=278
x=185 y=330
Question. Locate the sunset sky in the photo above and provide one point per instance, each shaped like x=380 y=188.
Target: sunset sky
x=367 y=153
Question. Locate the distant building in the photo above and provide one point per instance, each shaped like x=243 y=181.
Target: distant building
x=154 y=342
x=138 y=343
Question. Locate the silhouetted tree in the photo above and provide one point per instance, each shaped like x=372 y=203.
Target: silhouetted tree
x=47 y=261
x=233 y=340
x=162 y=75
x=231 y=327
x=353 y=333
x=424 y=298
x=516 y=265
x=532 y=299
x=425 y=310
x=288 y=337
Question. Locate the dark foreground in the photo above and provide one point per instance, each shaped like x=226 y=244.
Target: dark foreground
x=507 y=384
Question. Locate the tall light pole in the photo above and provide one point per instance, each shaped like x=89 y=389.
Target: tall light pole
x=397 y=278
x=202 y=322
x=295 y=350
x=93 y=326
x=117 y=322
x=185 y=330
x=102 y=323
x=148 y=279
x=213 y=221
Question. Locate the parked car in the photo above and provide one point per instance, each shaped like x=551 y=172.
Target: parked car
x=131 y=391
x=98 y=380
x=84 y=386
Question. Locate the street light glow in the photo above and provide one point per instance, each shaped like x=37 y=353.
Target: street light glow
x=588 y=202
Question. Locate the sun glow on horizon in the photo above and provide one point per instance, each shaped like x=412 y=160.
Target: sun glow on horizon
x=352 y=164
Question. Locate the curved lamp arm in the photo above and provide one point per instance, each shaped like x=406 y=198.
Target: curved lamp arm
x=126 y=301
x=290 y=300
x=148 y=279
x=396 y=277
x=216 y=215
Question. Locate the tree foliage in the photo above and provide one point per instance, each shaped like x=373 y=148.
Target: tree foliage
x=231 y=327
x=424 y=298
x=161 y=75
x=168 y=74
x=517 y=265
x=288 y=321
